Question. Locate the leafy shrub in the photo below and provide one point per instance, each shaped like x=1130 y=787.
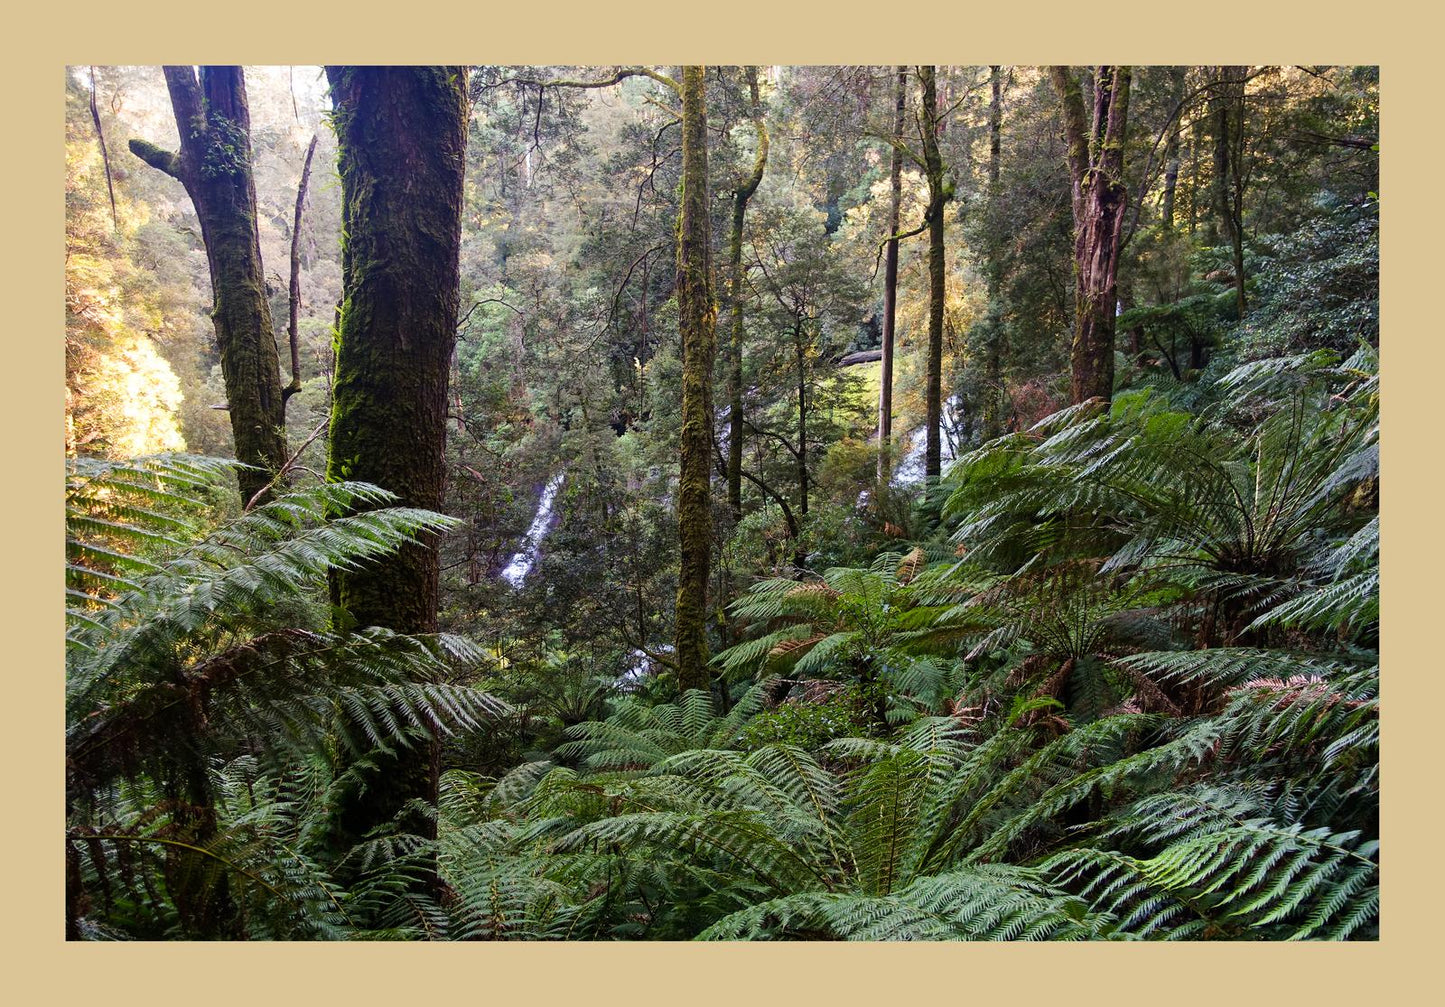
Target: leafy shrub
x=845 y=712
x=1319 y=287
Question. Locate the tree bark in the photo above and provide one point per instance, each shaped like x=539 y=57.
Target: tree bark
x=697 y=320
x=890 y=282
x=1099 y=197
x=800 y=355
x=939 y=193
x=214 y=165
x=401 y=137
x=741 y=195
x=1195 y=137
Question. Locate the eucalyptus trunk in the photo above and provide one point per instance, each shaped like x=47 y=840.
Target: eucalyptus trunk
x=1171 y=148
x=1227 y=118
x=938 y=194
x=993 y=346
x=293 y=331
x=800 y=356
x=890 y=282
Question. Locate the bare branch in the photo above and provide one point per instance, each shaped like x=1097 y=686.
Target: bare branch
x=104 y=154
x=616 y=78
x=289 y=465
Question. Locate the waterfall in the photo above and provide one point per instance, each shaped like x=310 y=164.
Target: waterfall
x=639 y=666
x=516 y=571
x=910 y=469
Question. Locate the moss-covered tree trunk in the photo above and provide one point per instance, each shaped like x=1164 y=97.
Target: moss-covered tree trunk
x=938 y=194
x=697 y=320
x=214 y=165
x=401 y=134
x=890 y=281
x=741 y=195
x=1096 y=166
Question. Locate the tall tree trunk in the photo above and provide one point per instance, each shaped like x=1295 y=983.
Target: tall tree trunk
x=890 y=282
x=401 y=135
x=1096 y=163
x=1171 y=147
x=214 y=165
x=697 y=319
x=1196 y=133
x=1227 y=117
x=938 y=194
x=993 y=269
x=293 y=332
x=1219 y=128
x=741 y=195
x=800 y=355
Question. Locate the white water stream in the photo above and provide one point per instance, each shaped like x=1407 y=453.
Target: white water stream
x=521 y=564
x=910 y=470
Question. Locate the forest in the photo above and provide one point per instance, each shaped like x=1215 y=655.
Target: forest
x=806 y=503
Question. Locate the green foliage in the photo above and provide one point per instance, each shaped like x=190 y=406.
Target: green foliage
x=1118 y=681
x=806 y=724
x=226 y=147
x=1319 y=286
x=211 y=657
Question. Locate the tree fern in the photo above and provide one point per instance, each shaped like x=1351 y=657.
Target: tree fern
x=213 y=647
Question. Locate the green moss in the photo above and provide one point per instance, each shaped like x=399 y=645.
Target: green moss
x=156 y=157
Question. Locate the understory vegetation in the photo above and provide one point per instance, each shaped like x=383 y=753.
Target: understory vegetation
x=1128 y=690
x=1110 y=672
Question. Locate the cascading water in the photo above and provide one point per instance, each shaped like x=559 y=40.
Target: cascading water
x=521 y=564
